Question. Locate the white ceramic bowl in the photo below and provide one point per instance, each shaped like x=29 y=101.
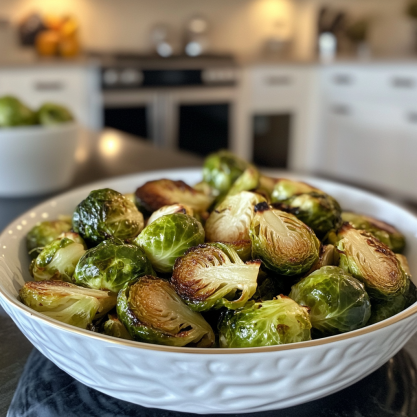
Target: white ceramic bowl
x=205 y=380
x=37 y=159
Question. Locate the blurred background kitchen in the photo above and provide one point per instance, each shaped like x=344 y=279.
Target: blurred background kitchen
x=320 y=87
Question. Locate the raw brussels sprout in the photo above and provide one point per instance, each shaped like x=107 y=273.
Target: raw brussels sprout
x=174 y=208
x=274 y=322
x=44 y=233
x=114 y=327
x=230 y=221
x=283 y=243
x=110 y=265
x=208 y=276
x=156 y=194
x=168 y=237
x=315 y=208
x=152 y=312
x=14 y=113
x=338 y=302
x=58 y=260
x=386 y=233
x=51 y=114
x=67 y=302
x=366 y=258
x=222 y=169
x=105 y=214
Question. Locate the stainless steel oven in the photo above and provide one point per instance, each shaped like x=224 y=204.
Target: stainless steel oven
x=180 y=102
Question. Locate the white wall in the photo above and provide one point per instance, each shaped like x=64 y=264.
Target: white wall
x=239 y=26
x=236 y=25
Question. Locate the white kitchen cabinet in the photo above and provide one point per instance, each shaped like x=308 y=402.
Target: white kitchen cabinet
x=369 y=127
x=76 y=87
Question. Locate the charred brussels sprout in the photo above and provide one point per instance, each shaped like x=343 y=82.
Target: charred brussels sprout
x=338 y=302
x=152 y=312
x=268 y=323
x=283 y=243
x=44 y=233
x=168 y=237
x=110 y=265
x=384 y=232
x=14 y=113
x=249 y=180
x=222 y=169
x=58 y=260
x=329 y=256
x=172 y=209
x=114 y=327
x=51 y=114
x=230 y=221
x=209 y=276
x=156 y=194
x=316 y=209
x=67 y=302
x=105 y=214
x=373 y=263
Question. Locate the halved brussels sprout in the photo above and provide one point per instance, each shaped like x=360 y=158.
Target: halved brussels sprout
x=208 y=276
x=172 y=209
x=14 y=113
x=152 y=312
x=366 y=258
x=110 y=265
x=230 y=221
x=105 y=214
x=313 y=207
x=386 y=233
x=67 y=302
x=222 y=169
x=159 y=193
x=58 y=260
x=338 y=302
x=283 y=243
x=44 y=233
x=51 y=114
x=168 y=237
x=114 y=327
x=268 y=323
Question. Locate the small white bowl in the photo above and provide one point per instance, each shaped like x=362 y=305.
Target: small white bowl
x=37 y=159
x=206 y=381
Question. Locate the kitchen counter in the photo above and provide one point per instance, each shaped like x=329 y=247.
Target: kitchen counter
x=45 y=390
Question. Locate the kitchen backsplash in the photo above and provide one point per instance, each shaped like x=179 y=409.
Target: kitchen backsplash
x=238 y=26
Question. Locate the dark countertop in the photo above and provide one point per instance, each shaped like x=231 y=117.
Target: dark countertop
x=46 y=391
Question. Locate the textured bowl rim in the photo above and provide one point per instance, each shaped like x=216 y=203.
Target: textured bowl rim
x=412 y=310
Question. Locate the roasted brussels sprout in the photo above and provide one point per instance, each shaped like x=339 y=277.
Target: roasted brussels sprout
x=222 y=169
x=152 y=312
x=105 y=214
x=110 y=265
x=58 y=260
x=329 y=256
x=338 y=302
x=14 y=113
x=384 y=232
x=156 y=194
x=172 y=209
x=242 y=247
x=168 y=237
x=209 y=276
x=231 y=220
x=51 y=114
x=315 y=208
x=114 y=327
x=267 y=323
x=44 y=233
x=249 y=180
x=67 y=302
x=283 y=243
x=366 y=258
